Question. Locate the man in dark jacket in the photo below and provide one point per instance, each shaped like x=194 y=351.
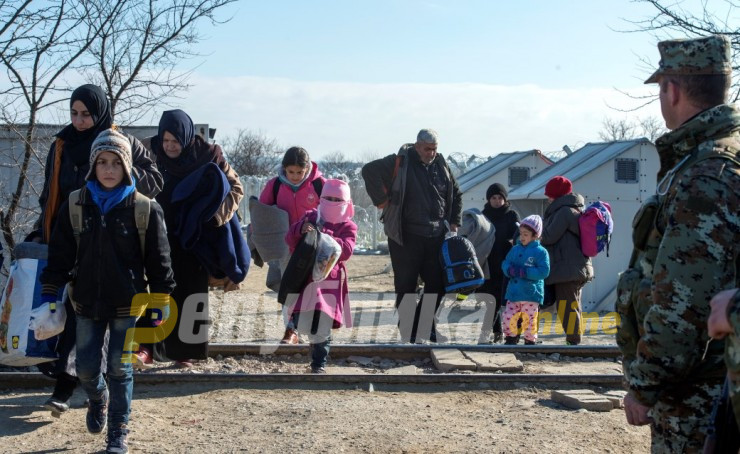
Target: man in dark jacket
x=570 y=269
x=420 y=199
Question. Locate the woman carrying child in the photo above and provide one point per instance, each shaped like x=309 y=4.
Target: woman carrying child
x=526 y=265
x=323 y=306
x=108 y=269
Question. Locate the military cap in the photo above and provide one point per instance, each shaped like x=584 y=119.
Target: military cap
x=699 y=56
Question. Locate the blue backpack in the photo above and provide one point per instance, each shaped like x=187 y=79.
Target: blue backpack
x=462 y=273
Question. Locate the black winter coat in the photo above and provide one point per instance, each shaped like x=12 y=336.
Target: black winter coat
x=504 y=220
x=110 y=269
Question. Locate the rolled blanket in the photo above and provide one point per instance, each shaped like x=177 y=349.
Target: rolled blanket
x=269 y=226
x=479 y=230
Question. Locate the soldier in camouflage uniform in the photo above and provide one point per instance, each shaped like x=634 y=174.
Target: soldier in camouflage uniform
x=725 y=321
x=685 y=249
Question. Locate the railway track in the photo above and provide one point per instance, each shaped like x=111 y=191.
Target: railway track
x=350 y=381
x=411 y=351
x=368 y=380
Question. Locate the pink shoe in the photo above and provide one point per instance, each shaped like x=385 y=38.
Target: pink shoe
x=143 y=359
x=184 y=364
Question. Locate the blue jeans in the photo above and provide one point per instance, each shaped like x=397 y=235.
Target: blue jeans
x=90 y=335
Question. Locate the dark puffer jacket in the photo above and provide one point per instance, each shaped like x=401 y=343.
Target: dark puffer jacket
x=110 y=268
x=561 y=236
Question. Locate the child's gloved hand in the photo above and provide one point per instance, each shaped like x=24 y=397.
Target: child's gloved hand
x=307 y=227
x=512 y=272
x=522 y=272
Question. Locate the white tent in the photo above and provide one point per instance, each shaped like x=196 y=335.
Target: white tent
x=622 y=173
x=509 y=169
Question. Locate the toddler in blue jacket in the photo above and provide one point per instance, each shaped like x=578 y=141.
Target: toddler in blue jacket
x=526 y=265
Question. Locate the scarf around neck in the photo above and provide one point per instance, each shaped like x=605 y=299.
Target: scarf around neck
x=107 y=199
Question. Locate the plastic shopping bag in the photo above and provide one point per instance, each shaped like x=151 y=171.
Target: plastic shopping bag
x=18 y=345
x=48 y=320
x=327 y=255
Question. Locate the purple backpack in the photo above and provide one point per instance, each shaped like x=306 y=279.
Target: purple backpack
x=596 y=226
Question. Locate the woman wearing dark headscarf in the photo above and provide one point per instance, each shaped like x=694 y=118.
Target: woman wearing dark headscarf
x=68 y=161
x=498 y=210
x=179 y=153
x=67 y=165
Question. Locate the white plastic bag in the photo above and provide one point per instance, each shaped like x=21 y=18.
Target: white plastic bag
x=46 y=323
x=18 y=347
x=327 y=255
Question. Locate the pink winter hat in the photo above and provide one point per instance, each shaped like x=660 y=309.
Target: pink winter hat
x=534 y=222
x=339 y=189
x=336 y=188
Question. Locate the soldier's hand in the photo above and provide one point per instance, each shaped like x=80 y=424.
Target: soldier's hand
x=636 y=413
x=718 y=323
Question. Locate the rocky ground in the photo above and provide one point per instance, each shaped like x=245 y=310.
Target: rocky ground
x=322 y=418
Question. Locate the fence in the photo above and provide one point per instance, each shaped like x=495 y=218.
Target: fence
x=369 y=230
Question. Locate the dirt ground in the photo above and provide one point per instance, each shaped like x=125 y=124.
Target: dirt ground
x=319 y=418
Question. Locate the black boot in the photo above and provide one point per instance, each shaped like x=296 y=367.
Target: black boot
x=511 y=340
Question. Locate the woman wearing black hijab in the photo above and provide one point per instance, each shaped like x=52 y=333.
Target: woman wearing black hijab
x=180 y=152
x=68 y=161
x=498 y=210
x=67 y=166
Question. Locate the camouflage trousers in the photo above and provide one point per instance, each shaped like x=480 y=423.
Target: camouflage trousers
x=681 y=421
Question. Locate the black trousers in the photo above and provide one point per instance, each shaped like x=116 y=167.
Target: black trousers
x=418 y=257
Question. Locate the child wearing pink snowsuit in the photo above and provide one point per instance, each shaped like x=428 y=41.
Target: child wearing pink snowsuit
x=526 y=265
x=323 y=306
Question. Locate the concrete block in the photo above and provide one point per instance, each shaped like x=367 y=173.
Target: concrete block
x=405 y=370
x=585 y=399
x=491 y=362
x=449 y=359
x=617 y=397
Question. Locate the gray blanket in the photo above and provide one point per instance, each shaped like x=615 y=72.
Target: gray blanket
x=476 y=228
x=267 y=237
x=269 y=226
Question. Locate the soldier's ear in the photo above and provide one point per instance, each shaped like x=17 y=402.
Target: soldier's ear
x=674 y=93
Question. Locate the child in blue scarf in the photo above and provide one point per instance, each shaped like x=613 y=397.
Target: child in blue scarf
x=106 y=270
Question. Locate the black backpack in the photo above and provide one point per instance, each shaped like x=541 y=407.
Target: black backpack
x=300 y=266
x=462 y=273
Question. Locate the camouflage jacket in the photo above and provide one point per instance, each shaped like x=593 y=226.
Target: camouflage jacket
x=698 y=228
x=732 y=354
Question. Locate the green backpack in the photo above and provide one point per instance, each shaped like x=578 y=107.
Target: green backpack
x=142 y=205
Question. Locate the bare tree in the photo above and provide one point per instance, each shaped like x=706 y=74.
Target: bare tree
x=674 y=19
x=613 y=129
x=652 y=128
x=625 y=129
x=252 y=153
x=336 y=164
x=41 y=44
x=134 y=59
